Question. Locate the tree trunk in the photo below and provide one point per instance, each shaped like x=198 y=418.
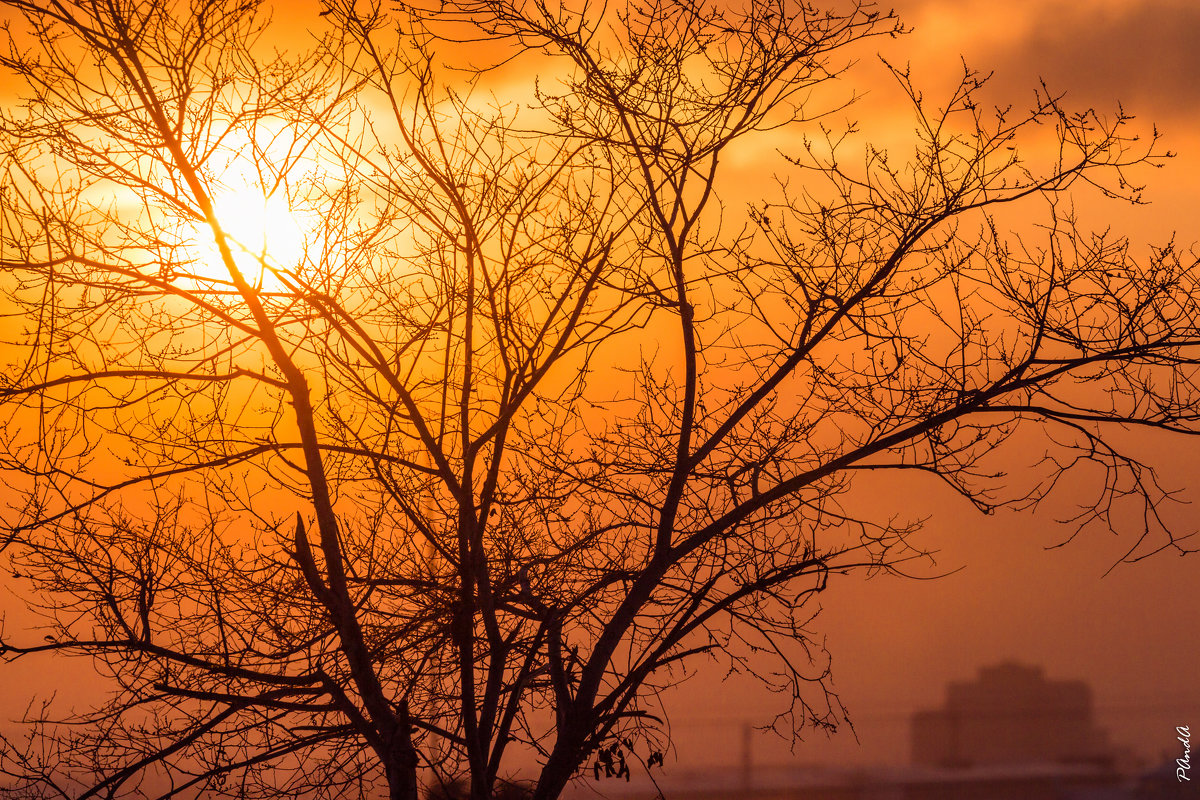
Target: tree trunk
x=556 y=773
x=402 y=774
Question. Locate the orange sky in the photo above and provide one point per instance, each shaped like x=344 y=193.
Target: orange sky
x=1132 y=633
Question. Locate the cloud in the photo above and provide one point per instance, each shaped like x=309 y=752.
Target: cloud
x=1143 y=53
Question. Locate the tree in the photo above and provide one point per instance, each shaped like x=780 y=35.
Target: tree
x=508 y=422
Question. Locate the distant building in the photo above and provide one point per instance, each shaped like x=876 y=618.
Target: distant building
x=1011 y=715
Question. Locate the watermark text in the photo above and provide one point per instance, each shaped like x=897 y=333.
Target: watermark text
x=1184 y=764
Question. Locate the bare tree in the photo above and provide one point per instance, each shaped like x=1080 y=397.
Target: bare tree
x=520 y=424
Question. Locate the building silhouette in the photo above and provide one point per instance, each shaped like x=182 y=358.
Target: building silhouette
x=1009 y=734
x=1011 y=714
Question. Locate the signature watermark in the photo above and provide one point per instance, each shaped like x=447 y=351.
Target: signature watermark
x=1185 y=763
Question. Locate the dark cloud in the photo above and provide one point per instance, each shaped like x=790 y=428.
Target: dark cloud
x=1145 y=55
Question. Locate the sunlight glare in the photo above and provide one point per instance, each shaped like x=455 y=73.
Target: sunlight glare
x=260 y=229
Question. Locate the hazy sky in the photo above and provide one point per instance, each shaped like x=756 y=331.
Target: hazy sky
x=1130 y=633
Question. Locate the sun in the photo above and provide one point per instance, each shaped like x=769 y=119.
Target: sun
x=263 y=232
x=259 y=208
x=268 y=239
x=264 y=195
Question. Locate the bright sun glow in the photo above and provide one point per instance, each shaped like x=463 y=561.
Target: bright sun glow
x=260 y=229
x=266 y=235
